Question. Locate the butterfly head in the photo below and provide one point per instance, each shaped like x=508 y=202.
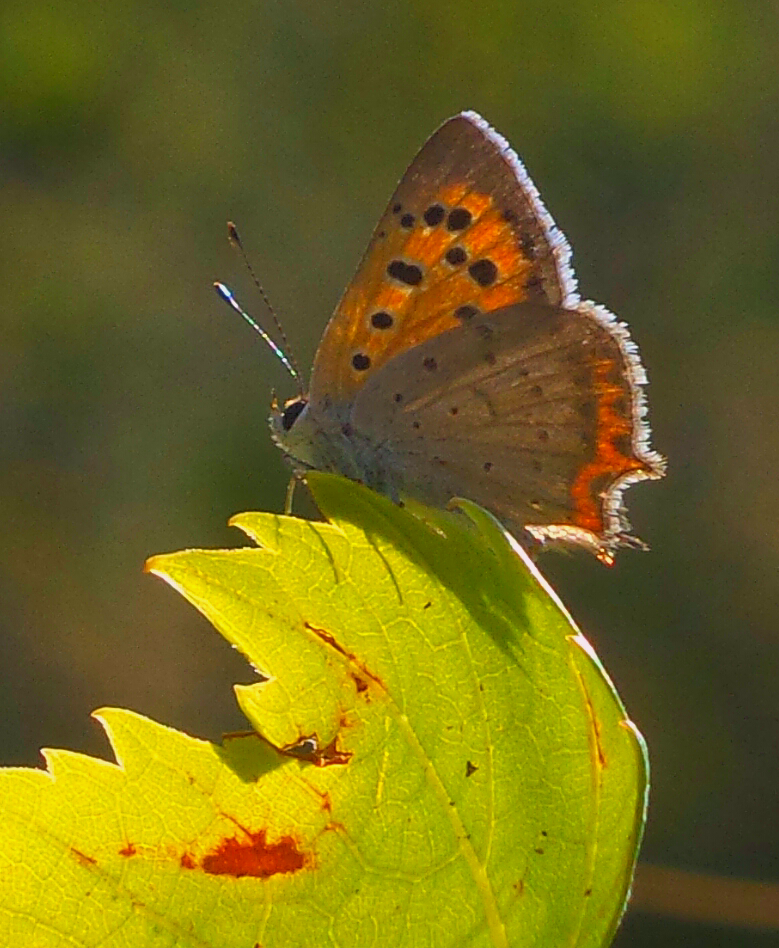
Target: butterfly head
x=289 y=414
x=291 y=429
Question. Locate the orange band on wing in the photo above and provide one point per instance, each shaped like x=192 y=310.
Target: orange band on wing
x=478 y=265
x=614 y=427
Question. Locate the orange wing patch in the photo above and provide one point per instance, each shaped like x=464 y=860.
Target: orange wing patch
x=419 y=281
x=464 y=233
x=614 y=457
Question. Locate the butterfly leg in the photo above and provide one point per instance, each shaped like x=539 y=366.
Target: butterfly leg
x=290 y=494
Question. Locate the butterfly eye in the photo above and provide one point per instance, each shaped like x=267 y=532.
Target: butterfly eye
x=291 y=411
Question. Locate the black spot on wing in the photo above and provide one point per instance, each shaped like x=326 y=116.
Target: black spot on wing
x=484 y=272
x=434 y=215
x=459 y=218
x=407 y=273
x=455 y=256
x=381 y=320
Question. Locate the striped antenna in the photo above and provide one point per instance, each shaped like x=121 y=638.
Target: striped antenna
x=227 y=295
x=235 y=240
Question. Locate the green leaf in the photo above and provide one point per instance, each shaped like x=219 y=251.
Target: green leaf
x=443 y=761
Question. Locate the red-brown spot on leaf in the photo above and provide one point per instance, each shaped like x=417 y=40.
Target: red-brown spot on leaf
x=308 y=749
x=187 y=862
x=252 y=855
x=325 y=799
x=327 y=637
x=596 y=727
x=83 y=858
x=332 y=755
x=304 y=748
x=239 y=735
x=128 y=850
x=360 y=684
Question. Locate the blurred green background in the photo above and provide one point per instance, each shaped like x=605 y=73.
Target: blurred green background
x=133 y=402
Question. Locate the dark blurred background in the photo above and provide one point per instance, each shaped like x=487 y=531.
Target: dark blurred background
x=133 y=403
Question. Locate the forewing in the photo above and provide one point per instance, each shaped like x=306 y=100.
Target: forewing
x=464 y=233
x=534 y=412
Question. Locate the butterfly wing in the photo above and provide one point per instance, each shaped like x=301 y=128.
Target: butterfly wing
x=464 y=233
x=533 y=411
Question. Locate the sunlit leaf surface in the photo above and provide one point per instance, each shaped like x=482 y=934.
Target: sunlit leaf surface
x=442 y=761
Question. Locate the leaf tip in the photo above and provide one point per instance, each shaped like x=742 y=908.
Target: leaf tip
x=154 y=565
x=162 y=565
x=240 y=522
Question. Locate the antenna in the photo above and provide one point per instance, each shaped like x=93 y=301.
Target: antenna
x=227 y=295
x=234 y=237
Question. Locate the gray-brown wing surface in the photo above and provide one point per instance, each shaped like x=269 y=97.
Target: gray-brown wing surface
x=532 y=411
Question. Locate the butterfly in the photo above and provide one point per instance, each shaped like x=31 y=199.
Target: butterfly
x=461 y=361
